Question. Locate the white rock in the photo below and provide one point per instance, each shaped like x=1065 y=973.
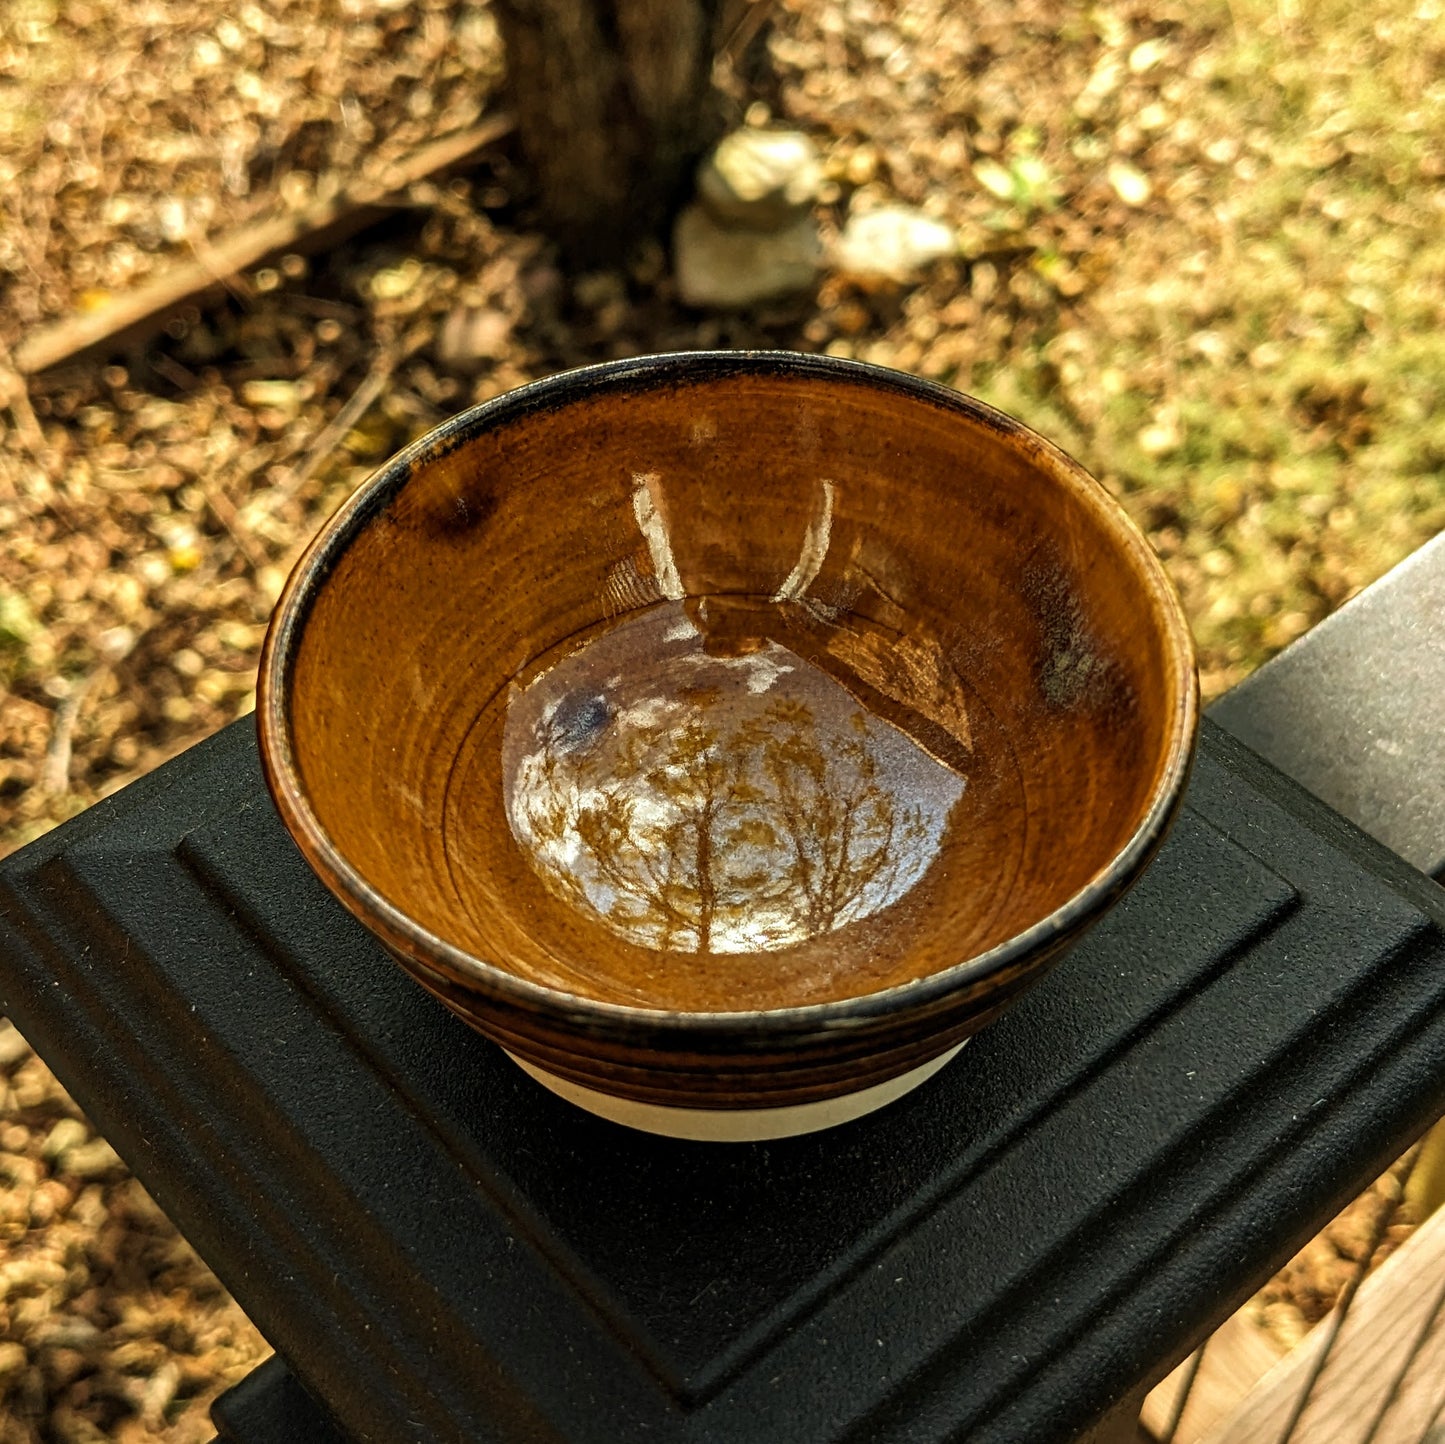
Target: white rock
x=115 y=644
x=894 y=242
x=1130 y=184
x=471 y=336
x=730 y=267
x=760 y=178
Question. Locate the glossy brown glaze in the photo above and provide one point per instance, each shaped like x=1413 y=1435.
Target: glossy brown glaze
x=728 y=730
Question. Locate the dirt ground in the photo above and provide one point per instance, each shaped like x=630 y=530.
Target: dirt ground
x=1202 y=247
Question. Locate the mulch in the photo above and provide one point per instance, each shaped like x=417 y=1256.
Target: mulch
x=152 y=504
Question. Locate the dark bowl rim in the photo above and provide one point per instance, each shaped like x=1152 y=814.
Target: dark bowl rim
x=645 y=373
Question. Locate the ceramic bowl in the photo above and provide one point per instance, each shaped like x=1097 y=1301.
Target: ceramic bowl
x=728 y=735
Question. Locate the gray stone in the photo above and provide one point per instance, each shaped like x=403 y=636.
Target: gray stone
x=727 y=267
x=761 y=179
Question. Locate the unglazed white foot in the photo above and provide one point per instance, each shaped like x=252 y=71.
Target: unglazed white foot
x=739 y=1125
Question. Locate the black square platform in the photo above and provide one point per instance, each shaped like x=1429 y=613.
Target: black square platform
x=441 y=1250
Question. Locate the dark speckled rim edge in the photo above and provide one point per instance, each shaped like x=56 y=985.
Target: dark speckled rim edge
x=620 y=1021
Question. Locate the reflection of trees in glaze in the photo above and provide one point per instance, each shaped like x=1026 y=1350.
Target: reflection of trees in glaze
x=724 y=813
x=752 y=838
x=844 y=835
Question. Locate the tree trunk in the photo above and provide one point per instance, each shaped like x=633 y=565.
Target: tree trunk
x=614 y=105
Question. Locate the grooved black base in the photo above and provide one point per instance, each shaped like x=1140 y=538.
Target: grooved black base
x=268 y=1406
x=443 y=1251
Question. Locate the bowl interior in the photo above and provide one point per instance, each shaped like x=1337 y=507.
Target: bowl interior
x=732 y=690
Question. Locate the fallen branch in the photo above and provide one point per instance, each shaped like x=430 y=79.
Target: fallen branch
x=225 y=513
x=141 y=313
x=331 y=435
x=16 y=399
x=55 y=769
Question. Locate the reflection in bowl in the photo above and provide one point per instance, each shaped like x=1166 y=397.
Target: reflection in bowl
x=735 y=804
x=728 y=736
